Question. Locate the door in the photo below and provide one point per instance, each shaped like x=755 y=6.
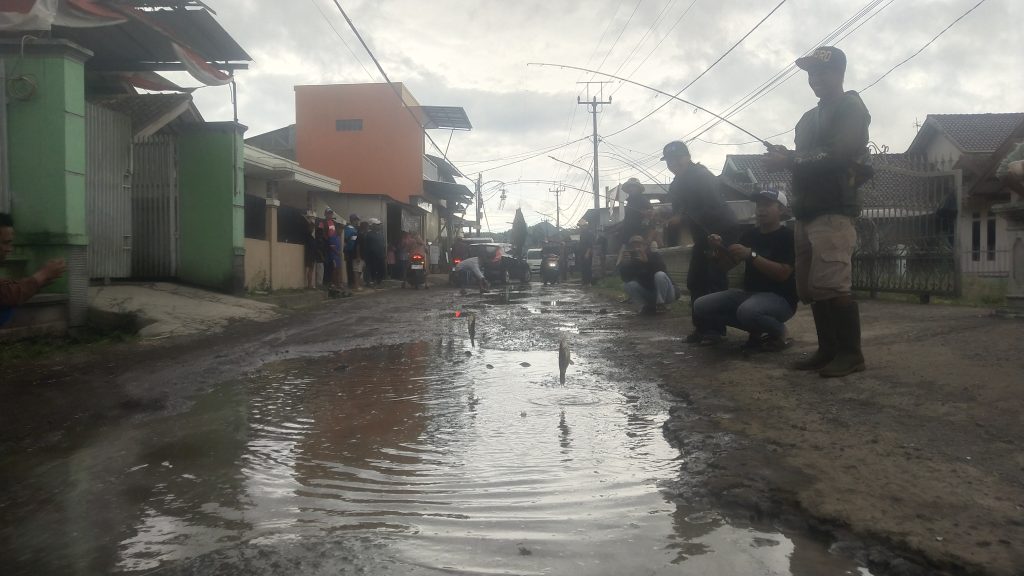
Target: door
x=155 y=220
x=108 y=192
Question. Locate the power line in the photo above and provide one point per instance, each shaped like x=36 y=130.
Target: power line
x=391 y=84
x=617 y=38
x=643 y=39
x=663 y=38
x=340 y=37
x=927 y=44
x=706 y=70
x=782 y=76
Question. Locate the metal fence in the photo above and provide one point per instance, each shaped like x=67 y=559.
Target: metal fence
x=907 y=234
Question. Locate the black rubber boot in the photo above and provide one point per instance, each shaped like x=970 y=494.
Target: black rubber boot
x=849 y=358
x=827 y=345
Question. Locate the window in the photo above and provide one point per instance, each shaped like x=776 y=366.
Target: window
x=990 y=238
x=355 y=125
x=976 y=236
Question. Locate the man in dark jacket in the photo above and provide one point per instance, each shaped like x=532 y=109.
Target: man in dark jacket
x=638 y=210
x=697 y=202
x=645 y=276
x=828 y=166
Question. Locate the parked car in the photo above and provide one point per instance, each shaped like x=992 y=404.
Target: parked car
x=533 y=259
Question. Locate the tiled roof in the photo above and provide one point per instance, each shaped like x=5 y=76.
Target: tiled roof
x=971 y=133
x=746 y=172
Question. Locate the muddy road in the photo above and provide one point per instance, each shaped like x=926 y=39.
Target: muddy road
x=371 y=436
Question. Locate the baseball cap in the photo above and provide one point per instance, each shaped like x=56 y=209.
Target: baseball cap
x=674 y=149
x=777 y=195
x=373 y=221
x=632 y=185
x=353 y=216
x=824 y=58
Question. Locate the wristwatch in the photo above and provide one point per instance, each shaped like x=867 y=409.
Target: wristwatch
x=753 y=256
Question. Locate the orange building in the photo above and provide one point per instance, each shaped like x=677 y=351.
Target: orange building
x=370 y=137
x=361 y=134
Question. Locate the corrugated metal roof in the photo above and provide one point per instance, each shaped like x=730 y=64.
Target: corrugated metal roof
x=148 y=112
x=134 y=46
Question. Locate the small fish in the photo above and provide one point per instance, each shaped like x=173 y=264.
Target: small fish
x=472 y=329
x=564 y=359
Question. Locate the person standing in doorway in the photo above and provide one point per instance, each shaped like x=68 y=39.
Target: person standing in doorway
x=697 y=202
x=351 y=236
x=375 y=253
x=332 y=249
x=828 y=166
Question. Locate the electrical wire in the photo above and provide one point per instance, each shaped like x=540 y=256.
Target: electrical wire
x=340 y=37
x=392 y=85
x=782 y=76
x=660 y=42
x=927 y=44
x=701 y=75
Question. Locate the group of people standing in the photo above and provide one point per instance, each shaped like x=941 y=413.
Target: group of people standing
x=810 y=262
x=361 y=247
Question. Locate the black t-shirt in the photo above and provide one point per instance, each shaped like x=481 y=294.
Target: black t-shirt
x=637 y=206
x=696 y=194
x=777 y=246
x=642 y=272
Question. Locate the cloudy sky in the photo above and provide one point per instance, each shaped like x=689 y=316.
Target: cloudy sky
x=475 y=54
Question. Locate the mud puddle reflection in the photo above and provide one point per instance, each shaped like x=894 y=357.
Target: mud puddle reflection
x=436 y=458
x=428 y=458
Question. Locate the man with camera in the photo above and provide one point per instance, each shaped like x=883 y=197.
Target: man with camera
x=645 y=277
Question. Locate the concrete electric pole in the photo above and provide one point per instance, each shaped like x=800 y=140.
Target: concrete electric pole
x=558 y=207
x=479 y=202
x=593 y=102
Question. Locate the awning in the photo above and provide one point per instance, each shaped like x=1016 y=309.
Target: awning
x=288 y=174
x=148 y=112
x=445 y=117
x=450 y=192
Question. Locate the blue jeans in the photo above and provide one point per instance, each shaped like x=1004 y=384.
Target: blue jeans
x=754 y=312
x=664 y=292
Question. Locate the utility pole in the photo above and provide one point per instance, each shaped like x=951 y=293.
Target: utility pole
x=479 y=202
x=593 y=102
x=558 y=208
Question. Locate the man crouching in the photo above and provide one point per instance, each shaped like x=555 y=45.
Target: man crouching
x=768 y=298
x=645 y=277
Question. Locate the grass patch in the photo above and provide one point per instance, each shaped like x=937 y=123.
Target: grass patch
x=87 y=339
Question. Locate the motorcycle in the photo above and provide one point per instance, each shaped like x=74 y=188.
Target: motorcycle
x=549 y=269
x=417 y=274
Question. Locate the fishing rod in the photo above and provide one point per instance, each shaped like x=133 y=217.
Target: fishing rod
x=662 y=92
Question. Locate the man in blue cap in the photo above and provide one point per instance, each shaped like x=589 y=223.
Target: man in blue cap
x=828 y=166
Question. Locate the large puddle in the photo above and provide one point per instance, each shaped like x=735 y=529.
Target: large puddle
x=429 y=458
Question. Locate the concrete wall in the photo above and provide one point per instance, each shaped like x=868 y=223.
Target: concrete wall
x=289 y=269
x=385 y=157
x=210 y=163
x=46 y=155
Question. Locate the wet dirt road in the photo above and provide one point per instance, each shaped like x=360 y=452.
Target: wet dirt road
x=379 y=439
